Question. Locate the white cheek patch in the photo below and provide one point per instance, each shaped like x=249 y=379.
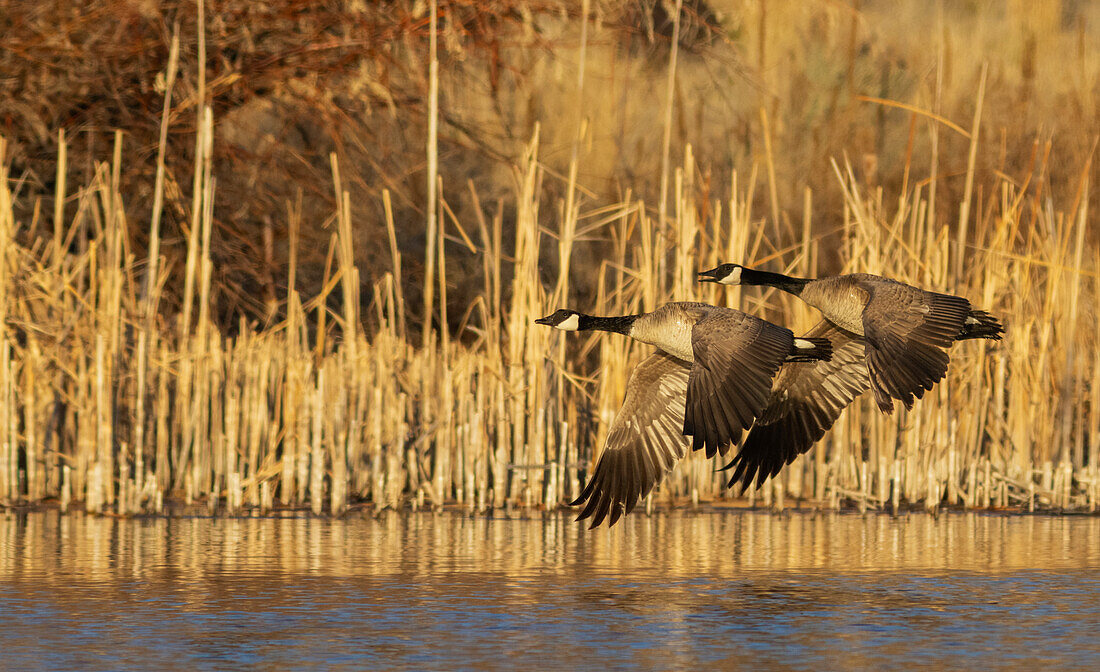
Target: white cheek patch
x=734 y=278
x=570 y=323
x=971 y=320
x=803 y=344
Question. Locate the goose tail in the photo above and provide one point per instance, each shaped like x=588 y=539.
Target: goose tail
x=980 y=324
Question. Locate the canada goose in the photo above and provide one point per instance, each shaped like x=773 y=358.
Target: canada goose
x=709 y=379
x=905 y=329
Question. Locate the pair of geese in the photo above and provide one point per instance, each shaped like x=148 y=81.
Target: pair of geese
x=719 y=371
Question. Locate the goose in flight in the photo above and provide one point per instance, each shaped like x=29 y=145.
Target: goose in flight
x=905 y=330
x=709 y=379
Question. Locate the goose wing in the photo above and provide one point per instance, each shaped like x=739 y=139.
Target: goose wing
x=736 y=357
x=805 y=401
x=644 y=442
x=907 y=330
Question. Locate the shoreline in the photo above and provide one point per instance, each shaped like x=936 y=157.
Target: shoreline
x=680 y=507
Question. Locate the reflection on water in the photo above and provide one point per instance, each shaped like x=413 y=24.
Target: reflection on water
x=446 y=591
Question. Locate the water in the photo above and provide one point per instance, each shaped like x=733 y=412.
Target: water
x=727 y=590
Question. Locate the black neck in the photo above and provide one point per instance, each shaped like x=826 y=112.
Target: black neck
x=777 y=280
x=619 y=324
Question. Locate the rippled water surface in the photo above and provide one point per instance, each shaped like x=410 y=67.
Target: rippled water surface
x=727 y=590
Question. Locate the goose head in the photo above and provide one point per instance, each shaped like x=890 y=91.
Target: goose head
x=563 y=318
x=726 y=274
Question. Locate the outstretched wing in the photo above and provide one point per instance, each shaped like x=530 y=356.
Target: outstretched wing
x=805 y=401
x=736 y=358
x=644 y=442
x=907 y=331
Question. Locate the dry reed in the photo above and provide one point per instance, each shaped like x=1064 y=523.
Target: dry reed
x=105 y=404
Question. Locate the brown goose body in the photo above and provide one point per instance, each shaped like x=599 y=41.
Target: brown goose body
x=709 y=380
x=841 y=299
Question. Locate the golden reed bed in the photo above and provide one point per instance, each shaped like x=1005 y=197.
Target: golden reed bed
x=106 y=402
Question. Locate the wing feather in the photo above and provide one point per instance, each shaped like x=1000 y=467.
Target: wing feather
x=644 y=441
x=805 y=401
x=908 y=330
x=736 y=358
